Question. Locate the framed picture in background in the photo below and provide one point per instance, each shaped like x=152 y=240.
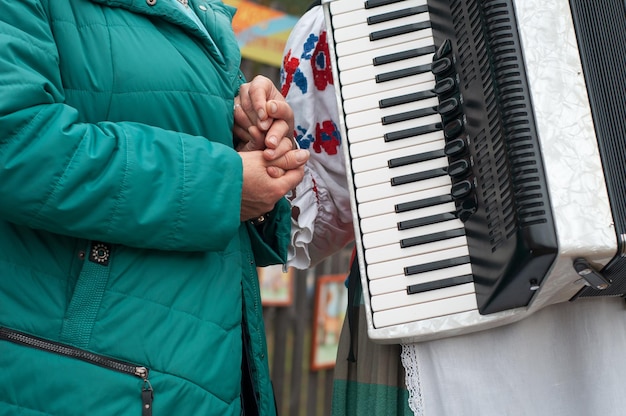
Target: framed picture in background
x=329 y=310
x=276 y=285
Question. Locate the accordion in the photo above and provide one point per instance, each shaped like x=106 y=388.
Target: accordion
x=484 y=147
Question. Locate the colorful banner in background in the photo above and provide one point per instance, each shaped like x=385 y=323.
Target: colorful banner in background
x=261 y=31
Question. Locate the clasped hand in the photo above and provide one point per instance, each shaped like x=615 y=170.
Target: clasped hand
x=263 y=134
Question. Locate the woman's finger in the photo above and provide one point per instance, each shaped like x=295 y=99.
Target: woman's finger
x=275 y=171
x=284 y=145
x=281 y=110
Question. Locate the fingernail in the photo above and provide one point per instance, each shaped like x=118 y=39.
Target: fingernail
x=273 y=107
x=302 y=155
x=265 y=124
x=261 y=113
x=273 y=140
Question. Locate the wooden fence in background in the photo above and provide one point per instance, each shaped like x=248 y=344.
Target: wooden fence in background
x=300 y=390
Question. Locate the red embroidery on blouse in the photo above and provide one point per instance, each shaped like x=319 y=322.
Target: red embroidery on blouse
x=290 y=65
x=320 y=63
x=326 y=137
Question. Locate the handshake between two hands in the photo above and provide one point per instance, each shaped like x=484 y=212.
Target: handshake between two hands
x=263 y=132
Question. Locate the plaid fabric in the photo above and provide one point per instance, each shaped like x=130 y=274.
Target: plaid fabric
x=369 y=378
x=374 y=384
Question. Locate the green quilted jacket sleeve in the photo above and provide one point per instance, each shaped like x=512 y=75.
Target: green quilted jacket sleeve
x=122 y=182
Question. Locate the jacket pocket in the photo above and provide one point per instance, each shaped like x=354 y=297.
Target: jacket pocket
x=147 y=393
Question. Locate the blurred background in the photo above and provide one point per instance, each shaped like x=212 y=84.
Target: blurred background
x=262 y=27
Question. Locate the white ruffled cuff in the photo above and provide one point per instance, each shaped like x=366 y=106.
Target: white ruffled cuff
x=316 y=228
x=304 y=208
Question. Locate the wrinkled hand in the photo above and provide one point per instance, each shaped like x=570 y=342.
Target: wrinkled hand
x=263 y=120
x=260 y=190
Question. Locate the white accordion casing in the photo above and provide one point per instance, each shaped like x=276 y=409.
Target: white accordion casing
x=580 y=206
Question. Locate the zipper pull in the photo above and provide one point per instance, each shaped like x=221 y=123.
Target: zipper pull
x=146 y=401
x=147 y=394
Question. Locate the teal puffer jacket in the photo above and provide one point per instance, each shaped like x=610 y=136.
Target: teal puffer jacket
x=120 y=192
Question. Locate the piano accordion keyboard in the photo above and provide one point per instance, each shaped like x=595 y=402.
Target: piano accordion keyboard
x=413 y=246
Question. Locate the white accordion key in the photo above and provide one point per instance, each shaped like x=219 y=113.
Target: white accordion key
x=381 y=159
x=393 y=235
x=338 y=7
x=428 y=169
x=386 y=206
x=391 y=220
x=368 y=102
x=400 y=298
x=394 y=251
x=366 y=58
x=359 y=14
x=357 y=30
x=379 y=145
x=382 y=191
x=370 y=86
x=363 y=44
x=401 y=282
x=399 y=266
x=409 y=65
x=375 y=115
x=413 y=313
x=429 y=123
x=347 y=6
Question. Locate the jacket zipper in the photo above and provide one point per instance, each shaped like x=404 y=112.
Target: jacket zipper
x=66 y=350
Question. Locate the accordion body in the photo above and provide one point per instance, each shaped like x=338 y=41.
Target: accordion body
x=484 y=145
